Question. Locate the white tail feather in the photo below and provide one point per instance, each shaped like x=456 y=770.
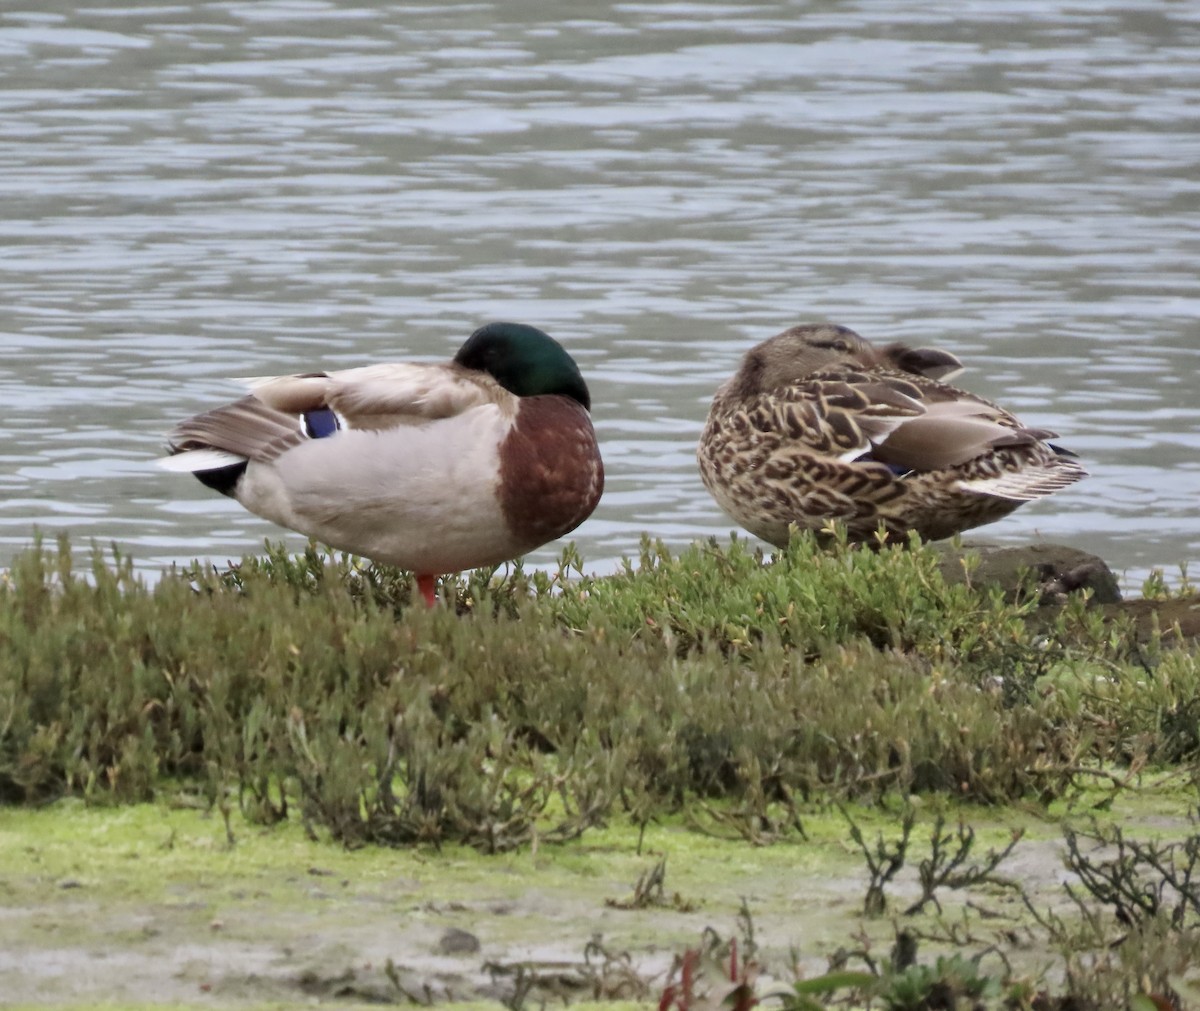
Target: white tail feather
x=1023 y=486
x=199 y=459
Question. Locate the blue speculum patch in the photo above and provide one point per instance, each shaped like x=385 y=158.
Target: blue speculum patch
x=320 y=423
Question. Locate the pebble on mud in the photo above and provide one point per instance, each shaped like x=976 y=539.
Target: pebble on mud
x=458 y=942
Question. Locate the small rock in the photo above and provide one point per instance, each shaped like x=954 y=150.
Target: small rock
x=1056 y=570
x=458 y=942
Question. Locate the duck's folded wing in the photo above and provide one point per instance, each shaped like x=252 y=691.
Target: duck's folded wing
x=380 y=396
x=949 y=433
x=285 y=411
x=247 y=429
x=912 y=425
x=845 y=417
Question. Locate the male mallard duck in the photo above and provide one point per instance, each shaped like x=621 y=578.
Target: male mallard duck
x=432 y=468
x=818 y=425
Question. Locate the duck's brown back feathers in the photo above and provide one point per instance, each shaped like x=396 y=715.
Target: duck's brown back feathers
x=868 y=438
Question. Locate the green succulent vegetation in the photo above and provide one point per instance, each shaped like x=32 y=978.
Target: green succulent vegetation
x=715 y=686
x=538 y=702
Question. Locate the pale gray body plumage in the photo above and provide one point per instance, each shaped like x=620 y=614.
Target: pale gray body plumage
x=392 y=487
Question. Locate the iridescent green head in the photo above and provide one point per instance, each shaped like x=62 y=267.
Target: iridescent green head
x=525 y=361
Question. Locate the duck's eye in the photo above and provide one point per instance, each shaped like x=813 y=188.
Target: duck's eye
x=836 y=344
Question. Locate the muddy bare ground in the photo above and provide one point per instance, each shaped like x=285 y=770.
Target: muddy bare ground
x=150 y=905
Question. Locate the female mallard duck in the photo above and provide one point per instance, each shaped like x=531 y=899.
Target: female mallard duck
x=432 y=468
x=818 y=425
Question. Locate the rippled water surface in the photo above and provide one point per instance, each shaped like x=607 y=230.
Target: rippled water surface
x=195 y=191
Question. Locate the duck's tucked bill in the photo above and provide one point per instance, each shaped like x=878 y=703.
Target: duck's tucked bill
x=819 y=425
x=432 y=468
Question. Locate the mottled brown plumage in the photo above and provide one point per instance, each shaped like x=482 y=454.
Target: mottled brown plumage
x=819 y=425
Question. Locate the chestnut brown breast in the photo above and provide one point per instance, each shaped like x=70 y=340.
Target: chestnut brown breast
x=551 y=475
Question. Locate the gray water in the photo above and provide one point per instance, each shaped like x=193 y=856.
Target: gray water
x=194 y=191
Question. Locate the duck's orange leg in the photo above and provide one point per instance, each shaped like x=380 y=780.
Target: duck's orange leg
x=425 y=584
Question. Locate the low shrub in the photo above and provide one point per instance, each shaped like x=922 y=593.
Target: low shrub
x=540 y=703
